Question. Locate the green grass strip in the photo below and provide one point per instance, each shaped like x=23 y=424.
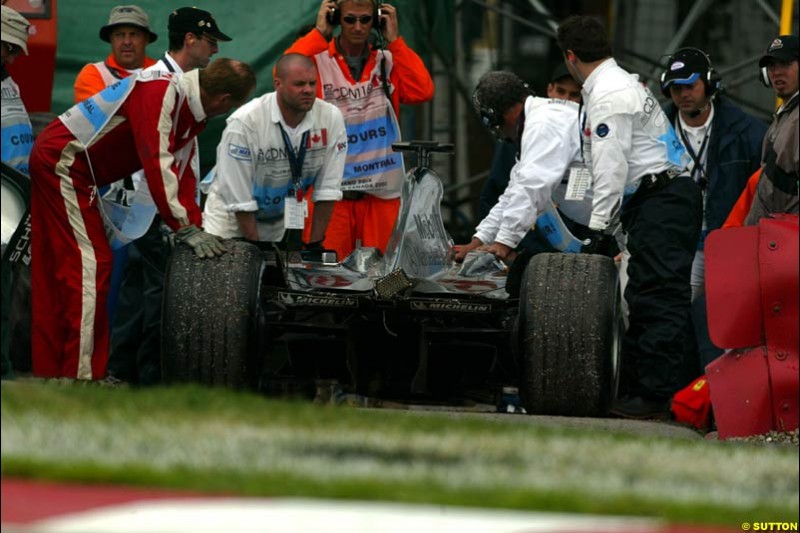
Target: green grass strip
x=235 y=443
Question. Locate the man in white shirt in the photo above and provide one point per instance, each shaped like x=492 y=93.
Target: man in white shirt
x=273 y=150
x=545 y=131
x=638 y=170
x=16 y=125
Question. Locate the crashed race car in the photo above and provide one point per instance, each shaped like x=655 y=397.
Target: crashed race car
x=410 y=325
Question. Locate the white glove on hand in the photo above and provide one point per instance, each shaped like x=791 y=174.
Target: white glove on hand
x=204 y=244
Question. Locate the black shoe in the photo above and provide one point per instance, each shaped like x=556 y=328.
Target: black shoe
x=640 y=408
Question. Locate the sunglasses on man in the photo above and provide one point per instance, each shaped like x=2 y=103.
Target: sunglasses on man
x=363 y=19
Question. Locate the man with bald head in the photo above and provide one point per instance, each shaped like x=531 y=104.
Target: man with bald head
x=273 y=150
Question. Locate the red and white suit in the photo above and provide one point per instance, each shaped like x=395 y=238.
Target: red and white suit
x=159 y=116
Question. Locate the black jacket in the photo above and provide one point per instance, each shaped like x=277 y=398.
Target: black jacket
x=734 y=153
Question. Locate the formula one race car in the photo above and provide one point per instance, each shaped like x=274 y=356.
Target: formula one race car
x=412 y=324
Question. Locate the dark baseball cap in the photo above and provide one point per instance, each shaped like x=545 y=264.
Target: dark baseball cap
x=685 y=66
x=560 y=72
x=783 y=48
x=197 y=21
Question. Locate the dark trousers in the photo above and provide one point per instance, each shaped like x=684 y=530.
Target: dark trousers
x=663 y=227
x=135 y=354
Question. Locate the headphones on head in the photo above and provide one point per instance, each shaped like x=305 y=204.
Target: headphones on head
x=763 y=76
x=335 y=17
x=490 y=118
x=712 y=80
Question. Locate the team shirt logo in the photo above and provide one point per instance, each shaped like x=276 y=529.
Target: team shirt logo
x=242 y=153
x=776 y=45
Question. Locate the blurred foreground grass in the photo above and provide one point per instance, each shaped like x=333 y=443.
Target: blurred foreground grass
x=227 y=442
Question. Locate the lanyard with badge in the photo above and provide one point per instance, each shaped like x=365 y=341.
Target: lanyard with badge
x=296 y=207
x=700 y=178
x=580 y=177
x=697 y=158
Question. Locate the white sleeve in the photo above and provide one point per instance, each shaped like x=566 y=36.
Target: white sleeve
x=549 y=145
x=611 y=138
x=328 y=185
x=235 y=172
x=489 y=226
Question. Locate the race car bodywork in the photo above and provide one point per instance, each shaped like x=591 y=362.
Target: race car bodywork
x=413 y=323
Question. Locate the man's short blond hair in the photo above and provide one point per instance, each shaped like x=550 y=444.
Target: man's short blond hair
x=228 y=76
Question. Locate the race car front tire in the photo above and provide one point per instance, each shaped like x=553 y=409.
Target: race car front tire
x=570 y=322
x=212 y=319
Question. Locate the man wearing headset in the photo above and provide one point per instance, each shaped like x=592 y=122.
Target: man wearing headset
x=562 y=87
x=544 y=131
x=639 y=179
x=723 y=141
x=368 y=85
x=778 y=186
x=724 y=144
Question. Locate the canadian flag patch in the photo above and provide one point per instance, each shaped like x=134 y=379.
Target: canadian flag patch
x=317 y=139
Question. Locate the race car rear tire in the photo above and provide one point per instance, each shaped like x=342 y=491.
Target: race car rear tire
x=212 y=318
x=570 y=326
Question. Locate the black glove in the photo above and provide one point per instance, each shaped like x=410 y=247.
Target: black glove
x=599 y=243
x=316 y=245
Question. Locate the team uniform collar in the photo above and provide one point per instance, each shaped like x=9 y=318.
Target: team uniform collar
x=170 y=61
x=334 y=49
x=112 y=64
x=591 y=80
x=277 y=117
x=789 y=104
x=191 y=85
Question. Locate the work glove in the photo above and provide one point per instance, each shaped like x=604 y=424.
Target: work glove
x=167 y=236
x=599 y=243
x=204 y=244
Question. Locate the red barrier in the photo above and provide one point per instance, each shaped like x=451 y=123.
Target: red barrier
x=753 y=294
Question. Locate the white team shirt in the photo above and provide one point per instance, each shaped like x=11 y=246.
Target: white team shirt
x=166 y=63
x=550 y=144
x=252 y=163
x=626 y=136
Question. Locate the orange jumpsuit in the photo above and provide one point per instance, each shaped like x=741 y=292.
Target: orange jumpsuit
x=95 y=77
x=365 y=217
